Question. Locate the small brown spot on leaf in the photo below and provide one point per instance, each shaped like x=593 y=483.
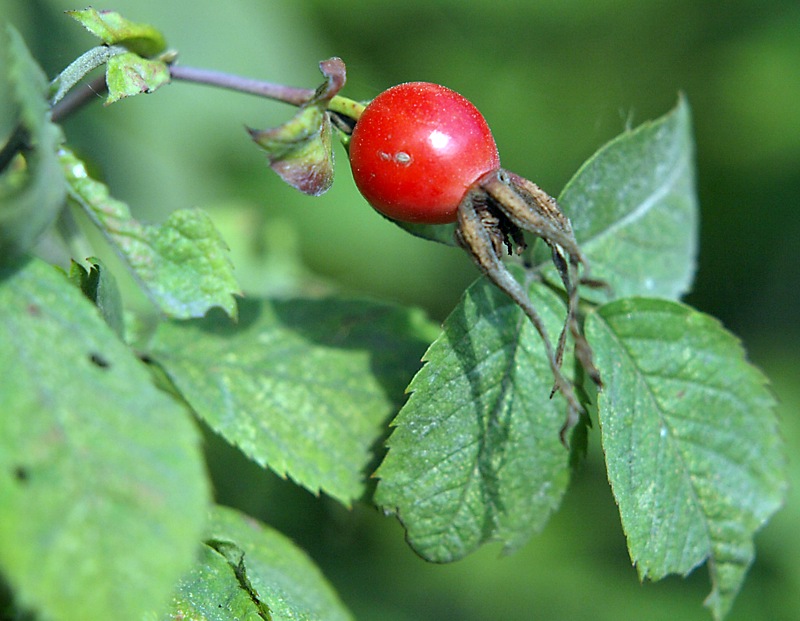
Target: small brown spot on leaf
x=21 y=474
x=98 y=360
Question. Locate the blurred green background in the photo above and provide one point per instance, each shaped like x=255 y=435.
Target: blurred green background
x=555 y=79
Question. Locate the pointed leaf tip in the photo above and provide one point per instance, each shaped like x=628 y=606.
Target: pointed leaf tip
x=261 y=382
x=633 y=207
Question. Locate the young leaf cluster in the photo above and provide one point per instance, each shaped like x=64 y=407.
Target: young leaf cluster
x=102 y=478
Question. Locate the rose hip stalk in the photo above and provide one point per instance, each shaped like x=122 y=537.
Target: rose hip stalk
x=422 y=153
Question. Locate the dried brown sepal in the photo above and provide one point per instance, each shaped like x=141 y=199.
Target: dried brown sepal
x=491 y=219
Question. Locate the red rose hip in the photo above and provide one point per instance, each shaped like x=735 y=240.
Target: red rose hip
x=416 y=150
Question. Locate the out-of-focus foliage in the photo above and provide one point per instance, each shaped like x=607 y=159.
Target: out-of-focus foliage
x=555 y=81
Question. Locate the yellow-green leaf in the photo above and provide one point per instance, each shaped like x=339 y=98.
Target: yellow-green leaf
x=301 y=386
x=129 y=74
x=249 y=571
x=113 y=29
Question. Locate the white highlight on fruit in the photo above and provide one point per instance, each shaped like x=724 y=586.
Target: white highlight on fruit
x=438 y=139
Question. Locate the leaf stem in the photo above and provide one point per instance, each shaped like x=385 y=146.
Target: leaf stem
x=346 y=107
x=270 y=90
x=76 y=98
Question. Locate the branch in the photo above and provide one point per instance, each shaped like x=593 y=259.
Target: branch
x=79 y=97
x=270 y=90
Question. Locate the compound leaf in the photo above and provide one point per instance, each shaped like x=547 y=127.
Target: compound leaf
x=691 y=442
x=183 y=265
x=475 y=454
x=101 y=475
x=301 y=386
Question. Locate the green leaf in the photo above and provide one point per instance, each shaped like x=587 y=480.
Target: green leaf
x=101 y=475
x=690 y=435
x=129 y=74
x=183 y=265
x=302 y=386
x=633 y=209
x=100 y=286
x=300 y=150
x=32 y=192
x=212 y=592
x=113 y=29
x=475 y=454
x=250 y=571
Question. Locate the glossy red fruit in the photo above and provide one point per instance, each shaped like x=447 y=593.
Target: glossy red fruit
x=416 y=150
